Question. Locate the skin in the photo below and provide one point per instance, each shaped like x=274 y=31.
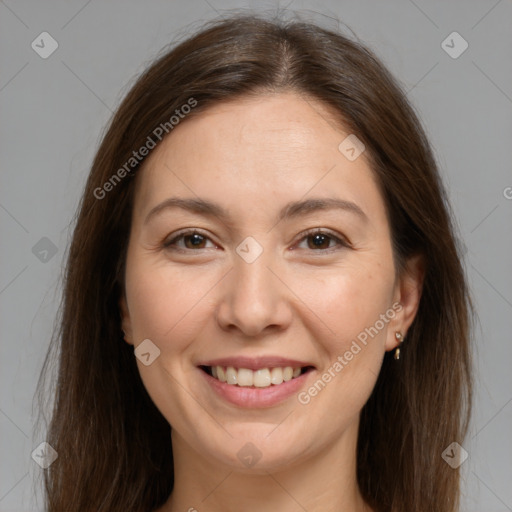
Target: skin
x=252 y=156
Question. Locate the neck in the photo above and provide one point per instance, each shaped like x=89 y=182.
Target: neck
x=325 y=481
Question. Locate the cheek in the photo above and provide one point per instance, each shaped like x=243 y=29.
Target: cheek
x=350 y=299
x=351 y=303
x=163 y=301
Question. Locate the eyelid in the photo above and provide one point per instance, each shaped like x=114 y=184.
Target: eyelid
x=170 y=240
x=342 y=240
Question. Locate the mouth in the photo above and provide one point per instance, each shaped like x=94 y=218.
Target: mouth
x=255 y=378
x=255 y=382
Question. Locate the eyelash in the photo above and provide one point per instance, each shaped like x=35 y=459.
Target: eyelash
x=341 y=243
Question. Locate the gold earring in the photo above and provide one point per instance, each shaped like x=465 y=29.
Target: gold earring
x=400 y=339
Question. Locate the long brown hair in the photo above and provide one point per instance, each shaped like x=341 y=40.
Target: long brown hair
x=114 y=445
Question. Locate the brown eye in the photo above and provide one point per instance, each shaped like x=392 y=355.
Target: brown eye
x=322 y=241
x=195 y=241
x=188 y=240
x=318 y=241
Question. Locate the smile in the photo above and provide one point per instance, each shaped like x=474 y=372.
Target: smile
x=259 y=378
x=255 y=382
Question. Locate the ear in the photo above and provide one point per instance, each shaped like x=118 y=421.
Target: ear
x=126 y=324
x=407 y=295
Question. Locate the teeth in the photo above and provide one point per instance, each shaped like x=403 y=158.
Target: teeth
x=231 y=375
x=245 y=377
x=221 y=374
x=276 y=376
x=262 y=378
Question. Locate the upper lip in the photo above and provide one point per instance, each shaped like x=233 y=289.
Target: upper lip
x=256 y=363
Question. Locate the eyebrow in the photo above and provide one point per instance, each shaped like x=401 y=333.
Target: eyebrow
x=291 y=210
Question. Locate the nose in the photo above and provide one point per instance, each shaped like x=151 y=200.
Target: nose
x=255 y=300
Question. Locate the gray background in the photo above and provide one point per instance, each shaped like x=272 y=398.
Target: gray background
x=53 y=111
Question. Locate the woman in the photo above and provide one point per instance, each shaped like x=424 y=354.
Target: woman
x=264 y=307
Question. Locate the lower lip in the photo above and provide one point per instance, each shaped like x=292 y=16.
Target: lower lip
x=253 y=398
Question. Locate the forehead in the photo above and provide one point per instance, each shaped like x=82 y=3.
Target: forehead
x=280 y=146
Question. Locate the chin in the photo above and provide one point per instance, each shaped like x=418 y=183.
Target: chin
x=257 y=449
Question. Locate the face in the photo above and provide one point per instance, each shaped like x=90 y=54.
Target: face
x=261 y=255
